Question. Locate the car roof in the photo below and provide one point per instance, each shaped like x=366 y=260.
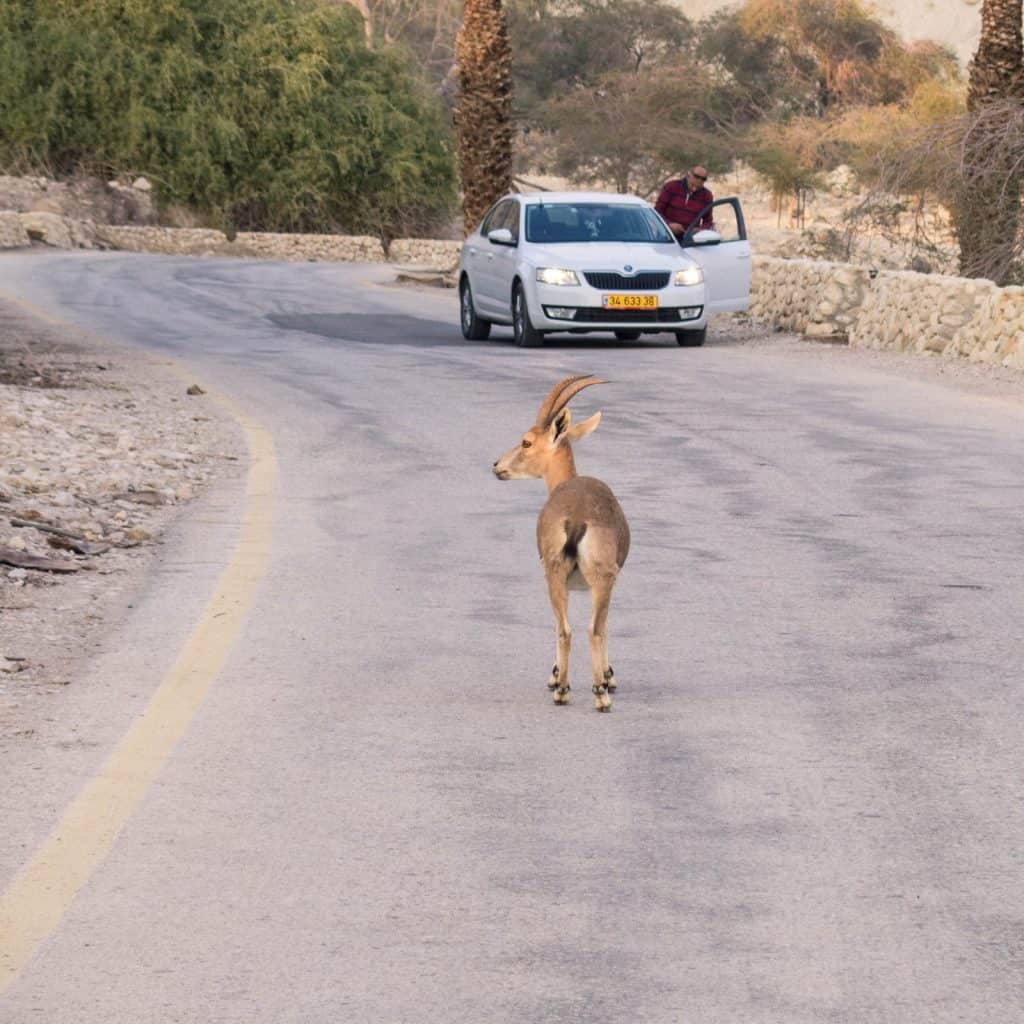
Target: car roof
x=537 y=198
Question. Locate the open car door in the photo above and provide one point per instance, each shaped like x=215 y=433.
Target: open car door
x=724 y=253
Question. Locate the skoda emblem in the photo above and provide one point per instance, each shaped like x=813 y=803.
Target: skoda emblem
x=628 y=269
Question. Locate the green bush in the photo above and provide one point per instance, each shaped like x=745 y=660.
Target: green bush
x=262 y=114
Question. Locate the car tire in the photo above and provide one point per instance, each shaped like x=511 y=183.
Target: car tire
x=526 y=335
x=627 y=335
x=691 y=339
x=474 y=328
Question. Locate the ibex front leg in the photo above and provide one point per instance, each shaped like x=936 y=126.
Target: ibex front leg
x=558 y=591
x=604 y=678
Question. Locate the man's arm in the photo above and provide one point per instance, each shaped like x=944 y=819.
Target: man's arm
x=664 y=198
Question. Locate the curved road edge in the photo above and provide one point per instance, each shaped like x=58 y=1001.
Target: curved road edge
x=41 y=892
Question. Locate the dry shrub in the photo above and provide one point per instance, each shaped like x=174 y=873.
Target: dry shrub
x=972 y=166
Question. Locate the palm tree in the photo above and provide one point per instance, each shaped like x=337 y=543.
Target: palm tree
x=995 y=70
x=483 y=114
x=987 y=213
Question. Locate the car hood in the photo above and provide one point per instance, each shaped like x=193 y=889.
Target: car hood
x=608 y=256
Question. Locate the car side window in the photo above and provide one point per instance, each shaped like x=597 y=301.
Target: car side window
x=493 y=219
x=727 y=223
x=512 y=220
x=727 y=219
x=504 y=214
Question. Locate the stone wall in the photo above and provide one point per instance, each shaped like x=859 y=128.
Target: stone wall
x=21 y=227
x=815 y=298
x=169 y=241
x=340 y=248
x=427 y=252
x=918 y=312
x=264 y=245
x=12 y=232
x=900 y=310
x=18 y=229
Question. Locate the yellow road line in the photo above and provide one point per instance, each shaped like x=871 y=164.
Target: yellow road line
x=32 y=906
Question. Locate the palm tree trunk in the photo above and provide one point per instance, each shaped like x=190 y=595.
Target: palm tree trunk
x=995 y=70
x=987 y=213
x=483 y=115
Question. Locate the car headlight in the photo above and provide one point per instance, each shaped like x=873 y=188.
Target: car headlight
x=555 y=275
x=688 y=276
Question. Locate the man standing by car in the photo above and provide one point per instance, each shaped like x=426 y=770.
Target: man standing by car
x=681 y=202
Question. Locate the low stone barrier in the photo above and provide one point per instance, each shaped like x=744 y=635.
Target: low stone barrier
x=813 y=297
x=427 y=252
x=169 y=241
x=900 y=310
x=996 y=335
x=19 y=229
x=264 y=245
x=12 y=232
x=340 y=248
x=918 y=312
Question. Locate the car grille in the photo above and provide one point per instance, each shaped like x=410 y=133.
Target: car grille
x=598 y=315
x=646 y=281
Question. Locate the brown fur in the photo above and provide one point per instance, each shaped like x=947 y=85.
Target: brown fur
x=582 y=532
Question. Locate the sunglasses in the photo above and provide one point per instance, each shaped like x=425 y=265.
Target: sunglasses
x=699 y=177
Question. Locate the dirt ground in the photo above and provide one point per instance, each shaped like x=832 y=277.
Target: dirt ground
x=101 y=448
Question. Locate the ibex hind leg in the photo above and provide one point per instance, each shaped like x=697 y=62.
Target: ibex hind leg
x=604 y=678
x=558 y=591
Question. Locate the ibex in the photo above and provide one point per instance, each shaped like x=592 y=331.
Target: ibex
x=582 y=533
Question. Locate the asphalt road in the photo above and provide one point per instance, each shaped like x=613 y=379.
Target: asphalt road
x=805 y=807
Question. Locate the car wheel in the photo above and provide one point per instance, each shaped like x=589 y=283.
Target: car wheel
x=627 y=335
x=474 y=327
x=526 y=335
x=691 y=339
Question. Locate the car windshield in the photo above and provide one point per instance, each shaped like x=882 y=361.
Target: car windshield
x=594 y=222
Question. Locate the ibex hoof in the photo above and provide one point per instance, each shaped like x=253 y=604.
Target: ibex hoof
x=562 y=696
x=602 y=701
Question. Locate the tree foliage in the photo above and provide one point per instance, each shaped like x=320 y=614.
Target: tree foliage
x=425 y=30
x=265 y=114
x=560 y=46
x=629 y=91
x=631 y=129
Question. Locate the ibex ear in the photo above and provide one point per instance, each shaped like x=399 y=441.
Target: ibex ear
x=586 y=427
x=560 y=425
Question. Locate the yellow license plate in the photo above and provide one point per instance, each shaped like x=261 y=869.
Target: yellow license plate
x=629 y=301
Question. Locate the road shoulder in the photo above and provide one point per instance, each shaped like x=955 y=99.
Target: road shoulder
x=90 y=423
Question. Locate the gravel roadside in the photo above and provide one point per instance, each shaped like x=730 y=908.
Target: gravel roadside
x=101 y=448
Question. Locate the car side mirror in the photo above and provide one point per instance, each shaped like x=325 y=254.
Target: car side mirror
x=706 y=237
x=501 y=236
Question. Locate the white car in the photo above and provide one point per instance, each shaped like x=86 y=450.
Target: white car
x=590 y=261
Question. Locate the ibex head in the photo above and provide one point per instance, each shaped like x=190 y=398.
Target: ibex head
x=550 y=434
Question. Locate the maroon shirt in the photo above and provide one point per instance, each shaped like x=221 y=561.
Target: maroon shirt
x=677 y=203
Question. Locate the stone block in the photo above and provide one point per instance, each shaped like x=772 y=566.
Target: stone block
x=827 y=331
x=12 y=232
x=48 y=228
